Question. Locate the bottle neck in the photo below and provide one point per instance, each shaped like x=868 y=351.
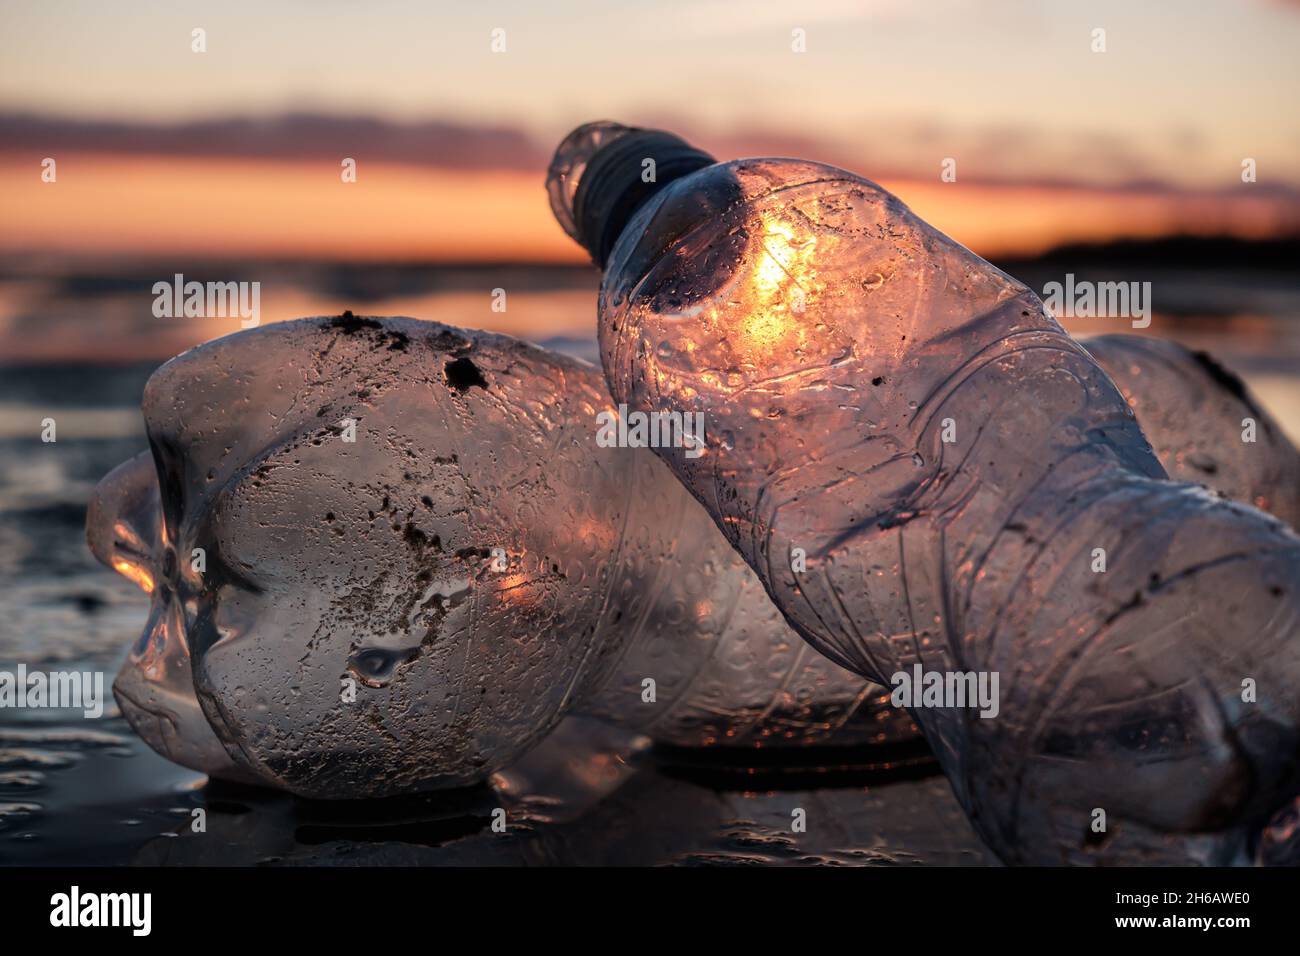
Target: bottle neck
x=621 y=177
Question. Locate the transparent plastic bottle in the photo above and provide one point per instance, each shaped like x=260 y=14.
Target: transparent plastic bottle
x=1203 y=423
x=473 y=565
x=973 y=495
x=125 y=529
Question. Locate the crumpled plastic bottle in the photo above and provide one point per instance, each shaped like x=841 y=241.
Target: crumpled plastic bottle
x=1197 y=414
x=972 y=492
x=473 y=566
x=155 y=687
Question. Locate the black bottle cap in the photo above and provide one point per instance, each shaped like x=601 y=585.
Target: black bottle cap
x=613 y=186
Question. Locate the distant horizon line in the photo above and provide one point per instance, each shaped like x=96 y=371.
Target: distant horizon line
x=1287 y=242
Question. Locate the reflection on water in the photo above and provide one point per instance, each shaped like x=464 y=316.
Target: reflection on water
x=586 y=796
x=93 y=315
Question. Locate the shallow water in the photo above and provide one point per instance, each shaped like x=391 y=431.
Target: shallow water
x=584 y=798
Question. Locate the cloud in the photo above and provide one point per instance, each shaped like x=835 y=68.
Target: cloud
x=899 y=149
x=289 y=136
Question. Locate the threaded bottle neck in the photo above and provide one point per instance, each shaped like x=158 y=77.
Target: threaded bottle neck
x=620 y=177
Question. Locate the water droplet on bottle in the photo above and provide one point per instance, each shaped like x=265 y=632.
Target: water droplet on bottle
x=374 y=666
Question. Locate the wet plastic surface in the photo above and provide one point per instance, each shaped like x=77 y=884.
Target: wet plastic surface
x=91 y=792
x=832 y=340
x=473 y=566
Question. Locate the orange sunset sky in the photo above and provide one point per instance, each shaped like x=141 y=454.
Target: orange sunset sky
x=163 y=151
